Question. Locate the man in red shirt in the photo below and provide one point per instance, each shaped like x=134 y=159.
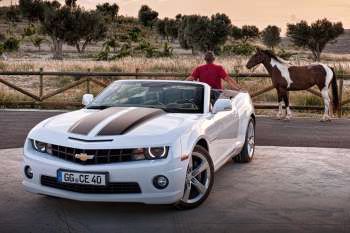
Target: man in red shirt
x=212 y=74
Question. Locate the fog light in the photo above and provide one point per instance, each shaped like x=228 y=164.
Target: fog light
x=160 y=182
x=28 y=172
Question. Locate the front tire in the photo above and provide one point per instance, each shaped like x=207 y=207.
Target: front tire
x=199 y=179
x=248 y=150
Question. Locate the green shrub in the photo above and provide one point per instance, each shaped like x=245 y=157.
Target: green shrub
x=103 y=55
x=123 y=37
x=134 y=34
x=124 y=51
x=285 y=54
x=30 y=30
x=37 y=41
x=11 y=44
x=2 y=50
x=243 y=49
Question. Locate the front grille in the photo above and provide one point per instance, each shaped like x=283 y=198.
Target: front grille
x=111 y=188
x=102 y=156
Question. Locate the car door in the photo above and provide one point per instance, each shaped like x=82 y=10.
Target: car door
x=223 y=133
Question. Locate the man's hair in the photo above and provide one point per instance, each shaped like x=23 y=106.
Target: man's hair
x=209 y=57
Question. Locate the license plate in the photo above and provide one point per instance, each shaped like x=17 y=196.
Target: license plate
x=85 y=178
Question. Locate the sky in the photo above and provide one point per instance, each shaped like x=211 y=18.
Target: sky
x=256 y=12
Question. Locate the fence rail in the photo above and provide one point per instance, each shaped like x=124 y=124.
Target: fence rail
x=41 y=99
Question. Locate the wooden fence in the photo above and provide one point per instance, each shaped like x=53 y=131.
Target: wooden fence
x=40 y=99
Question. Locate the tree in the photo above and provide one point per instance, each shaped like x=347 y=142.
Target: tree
x=246 y=33
x=172 y=28
x=147 y=16
x=316 y=36
x=109 y=11
x=12 y=18
x=201 y=33
x=85 y=27
x=160 y=27
x=71 y=3
x=33 y=10
x=193 y=32
x=55 y=24
x=181 y=33
x=37 y=41
x=178 y=17
x=220 y=25
x=167 y=28
x=271 y=36
x=12 y=14
x=236 y=33
x=66 y=24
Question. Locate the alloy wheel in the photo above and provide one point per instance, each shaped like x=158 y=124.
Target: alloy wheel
x=251 y=139
x=197 y=178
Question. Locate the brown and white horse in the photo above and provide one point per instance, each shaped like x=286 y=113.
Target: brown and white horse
x=287 y=78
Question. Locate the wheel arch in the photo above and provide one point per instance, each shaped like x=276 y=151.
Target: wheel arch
x=202 y=142
x=253 y=117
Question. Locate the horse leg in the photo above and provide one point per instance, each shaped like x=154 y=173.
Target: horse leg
x=280 y=107
x=326 y=100
x=286 y=102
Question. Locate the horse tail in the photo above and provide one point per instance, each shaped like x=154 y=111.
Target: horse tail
x=335 y=91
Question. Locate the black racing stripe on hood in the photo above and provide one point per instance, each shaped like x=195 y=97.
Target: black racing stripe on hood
x=129 y=120
x=86 y=124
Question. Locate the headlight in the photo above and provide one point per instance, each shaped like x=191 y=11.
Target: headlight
x=157 y=152
x=42 y=147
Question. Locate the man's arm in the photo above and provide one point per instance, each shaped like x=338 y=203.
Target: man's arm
x=232 y=83
x=190 y=78
x=194 y=75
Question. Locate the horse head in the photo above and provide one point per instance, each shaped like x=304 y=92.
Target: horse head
x=259 y=57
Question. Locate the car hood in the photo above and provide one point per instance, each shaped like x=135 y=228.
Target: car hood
x=117 y=122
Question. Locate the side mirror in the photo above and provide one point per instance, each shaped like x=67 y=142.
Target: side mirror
x=222 y=105
x=87 y=99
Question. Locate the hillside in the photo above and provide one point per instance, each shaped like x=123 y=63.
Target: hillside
x=342 y=44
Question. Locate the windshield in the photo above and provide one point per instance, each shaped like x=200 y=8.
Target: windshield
x=169 y=96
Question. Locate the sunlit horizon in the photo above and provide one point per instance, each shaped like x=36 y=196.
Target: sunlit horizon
x=259 y=13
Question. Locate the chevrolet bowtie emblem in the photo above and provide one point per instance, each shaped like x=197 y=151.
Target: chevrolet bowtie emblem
x=84 y=157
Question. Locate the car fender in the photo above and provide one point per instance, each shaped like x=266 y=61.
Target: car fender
x=190 y=139
x=245 y=109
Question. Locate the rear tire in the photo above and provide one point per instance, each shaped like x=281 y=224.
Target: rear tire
x=248 y=150
x=199 y=179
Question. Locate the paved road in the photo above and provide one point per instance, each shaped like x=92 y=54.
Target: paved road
x=281 y=191
x=302 y=132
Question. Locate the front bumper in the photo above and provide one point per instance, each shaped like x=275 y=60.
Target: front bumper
x=141 y=172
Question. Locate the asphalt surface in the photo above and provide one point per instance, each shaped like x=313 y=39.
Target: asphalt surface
x=299 y=132
x=281 y=191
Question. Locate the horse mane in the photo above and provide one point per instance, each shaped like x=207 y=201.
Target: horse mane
x=274 y=56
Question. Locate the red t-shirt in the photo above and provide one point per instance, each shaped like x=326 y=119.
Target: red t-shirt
x=210 y=74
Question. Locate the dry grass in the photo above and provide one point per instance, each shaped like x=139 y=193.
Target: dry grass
x=130 y=64
x=182 y=64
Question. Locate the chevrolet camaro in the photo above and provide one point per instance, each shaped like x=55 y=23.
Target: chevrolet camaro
x=154 y=142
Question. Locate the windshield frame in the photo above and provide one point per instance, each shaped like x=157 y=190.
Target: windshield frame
x=203 y=106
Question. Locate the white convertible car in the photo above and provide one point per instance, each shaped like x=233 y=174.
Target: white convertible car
x=155 y=142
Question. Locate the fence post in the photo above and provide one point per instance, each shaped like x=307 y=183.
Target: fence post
x=41 y=83
x=341 y=87
x=137 y=70
x=88 y=83
x=236 y=70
